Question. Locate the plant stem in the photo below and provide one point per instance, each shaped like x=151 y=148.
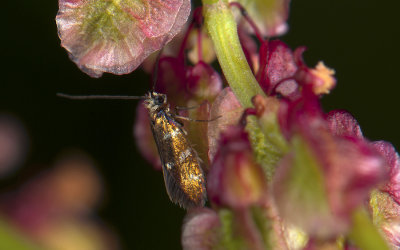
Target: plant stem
x=222 y=29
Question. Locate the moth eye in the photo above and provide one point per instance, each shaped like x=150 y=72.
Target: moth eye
x=160 y=99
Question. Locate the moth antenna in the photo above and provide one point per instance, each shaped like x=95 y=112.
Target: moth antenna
x=100 y=97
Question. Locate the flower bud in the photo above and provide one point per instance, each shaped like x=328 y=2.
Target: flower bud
x=235 y=179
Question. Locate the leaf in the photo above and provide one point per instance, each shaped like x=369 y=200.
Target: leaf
x=115 y=36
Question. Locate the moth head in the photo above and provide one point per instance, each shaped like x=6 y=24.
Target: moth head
x=155 y=100
x=158 y=98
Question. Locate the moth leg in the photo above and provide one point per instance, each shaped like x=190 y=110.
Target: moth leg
x=194 y=120
x=178 y=108
x=180 y=123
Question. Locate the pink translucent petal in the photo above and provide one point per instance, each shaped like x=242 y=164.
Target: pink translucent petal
x=393 y=161
x=280 y=64
x=352 y=169
x=297 y=193
x=228 y=107
x=276 y=64
x=204 y=82
x=342 y=123
x=350 y=166
x=116 y=36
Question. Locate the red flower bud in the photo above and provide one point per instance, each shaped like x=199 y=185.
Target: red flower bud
x=235 y=179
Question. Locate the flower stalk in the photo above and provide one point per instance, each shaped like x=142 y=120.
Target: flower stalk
x=222 y=29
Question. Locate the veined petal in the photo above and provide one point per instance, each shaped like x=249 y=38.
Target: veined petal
x=392 y=187
x=115 y=36
x=342 y=123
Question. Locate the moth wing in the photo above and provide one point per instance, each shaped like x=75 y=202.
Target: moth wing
x=183 y=175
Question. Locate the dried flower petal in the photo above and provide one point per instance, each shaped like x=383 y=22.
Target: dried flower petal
x=116 y=36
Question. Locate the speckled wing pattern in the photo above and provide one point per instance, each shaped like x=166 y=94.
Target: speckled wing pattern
x=183 y=175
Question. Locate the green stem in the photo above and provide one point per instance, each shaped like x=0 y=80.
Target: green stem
x=222 y=29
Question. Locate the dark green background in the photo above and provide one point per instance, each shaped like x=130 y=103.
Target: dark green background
x=359 y=39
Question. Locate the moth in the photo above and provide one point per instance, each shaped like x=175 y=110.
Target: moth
x=183 y=174
x=182 y=168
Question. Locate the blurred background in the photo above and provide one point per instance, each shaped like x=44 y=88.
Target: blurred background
x=117 y=198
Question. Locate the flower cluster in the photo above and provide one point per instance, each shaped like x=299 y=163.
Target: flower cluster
x=281 y=173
